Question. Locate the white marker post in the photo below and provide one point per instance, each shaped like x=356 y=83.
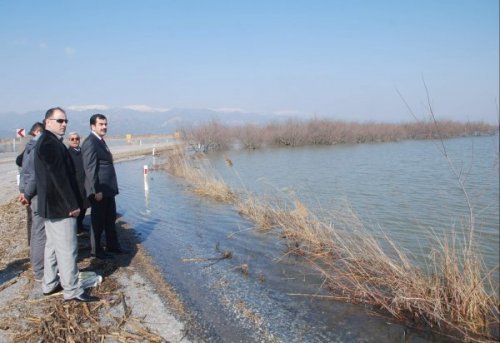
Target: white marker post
x=146 y=186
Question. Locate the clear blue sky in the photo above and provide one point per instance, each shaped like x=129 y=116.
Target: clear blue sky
x=342 y=59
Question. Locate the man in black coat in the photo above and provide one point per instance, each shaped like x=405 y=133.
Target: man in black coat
x=101 y=187
x=75 y=151
x=59 y=204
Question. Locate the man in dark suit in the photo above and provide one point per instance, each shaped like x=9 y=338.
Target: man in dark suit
x=75 y=151
x=59 y=204
x=101 y=187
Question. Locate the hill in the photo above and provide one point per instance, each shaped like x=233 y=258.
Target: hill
x=125 y=120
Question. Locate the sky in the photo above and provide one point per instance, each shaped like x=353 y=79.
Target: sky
x=357 y=60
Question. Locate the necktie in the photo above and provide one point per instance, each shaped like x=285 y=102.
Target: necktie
x=105 y=145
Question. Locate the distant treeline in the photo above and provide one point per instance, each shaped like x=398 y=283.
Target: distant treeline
x=217 y=136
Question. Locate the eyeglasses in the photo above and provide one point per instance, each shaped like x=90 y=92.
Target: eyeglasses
x=74 y=139
x=60 y=121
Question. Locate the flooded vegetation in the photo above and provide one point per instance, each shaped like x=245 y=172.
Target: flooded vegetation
x=217 y=136
x=454 y=293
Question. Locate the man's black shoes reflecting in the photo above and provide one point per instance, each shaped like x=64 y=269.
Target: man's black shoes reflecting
x=102 y=255
x=119 y=251
x=57 y=289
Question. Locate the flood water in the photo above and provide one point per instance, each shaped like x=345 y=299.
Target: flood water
x=406 y=188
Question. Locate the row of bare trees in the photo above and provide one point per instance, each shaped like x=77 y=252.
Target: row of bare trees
x=217 y=136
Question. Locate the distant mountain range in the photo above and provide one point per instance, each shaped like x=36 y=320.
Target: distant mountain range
x=136 y=121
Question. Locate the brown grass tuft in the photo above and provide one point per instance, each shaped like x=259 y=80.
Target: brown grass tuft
x=200 y=177
x=455 y=298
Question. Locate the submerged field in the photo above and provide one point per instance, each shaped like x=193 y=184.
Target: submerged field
x=444 y=285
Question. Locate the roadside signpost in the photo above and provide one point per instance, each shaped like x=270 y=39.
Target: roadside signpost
x=20 y=133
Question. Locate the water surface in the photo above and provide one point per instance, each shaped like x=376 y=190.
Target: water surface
x=406 y=188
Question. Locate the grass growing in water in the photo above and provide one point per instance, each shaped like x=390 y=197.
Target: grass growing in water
x=454 y=294
x=357 y=267
x=200 y=176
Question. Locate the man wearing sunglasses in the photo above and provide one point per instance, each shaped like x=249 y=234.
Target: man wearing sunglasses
x=59 y=203
x=101 y=187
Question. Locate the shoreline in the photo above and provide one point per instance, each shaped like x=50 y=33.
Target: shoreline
x=133 y=288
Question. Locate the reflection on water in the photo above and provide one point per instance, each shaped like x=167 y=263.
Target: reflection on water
x=403 y=187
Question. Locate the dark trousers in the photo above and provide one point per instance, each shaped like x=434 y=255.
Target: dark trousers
x=103 y=217
x=80 y=218
x=29 y=221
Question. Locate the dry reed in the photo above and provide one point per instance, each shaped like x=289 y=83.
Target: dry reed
x=257 y=211
x=53 y=320
x=201 y=178
x=455 y=298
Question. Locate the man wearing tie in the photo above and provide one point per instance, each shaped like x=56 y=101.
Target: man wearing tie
x=101 y=187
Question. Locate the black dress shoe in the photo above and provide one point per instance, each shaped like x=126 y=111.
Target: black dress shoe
x=83 y=234
x=83 y=298
x=101 y=255
x=119 y=251
x=57 y=289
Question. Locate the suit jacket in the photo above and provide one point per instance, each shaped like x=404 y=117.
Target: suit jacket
x=77 y=159
x=27 y=180
x=55 y=178
x=100 y=175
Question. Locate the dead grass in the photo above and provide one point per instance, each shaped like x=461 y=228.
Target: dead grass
x=49 y=319
x=258 y=211
x=201 y=179
x=456 y=298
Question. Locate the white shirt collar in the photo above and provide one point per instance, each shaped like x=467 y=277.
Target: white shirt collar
x=100 y=138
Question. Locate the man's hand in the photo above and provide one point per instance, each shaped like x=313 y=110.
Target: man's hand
x=22 y=199
x=98 y=196
x=74 y=213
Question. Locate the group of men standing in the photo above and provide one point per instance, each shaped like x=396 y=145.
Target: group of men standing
x=59 y=183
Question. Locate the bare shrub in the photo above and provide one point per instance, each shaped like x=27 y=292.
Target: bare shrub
x=209 y=137
x=250 y=136
x=317 y=131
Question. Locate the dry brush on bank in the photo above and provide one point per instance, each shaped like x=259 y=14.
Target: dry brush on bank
x=453 y=295
x=316 y=131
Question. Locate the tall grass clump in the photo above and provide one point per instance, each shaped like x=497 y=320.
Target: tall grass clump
x=258 y=211
x=453 y=294
x=200 y=177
